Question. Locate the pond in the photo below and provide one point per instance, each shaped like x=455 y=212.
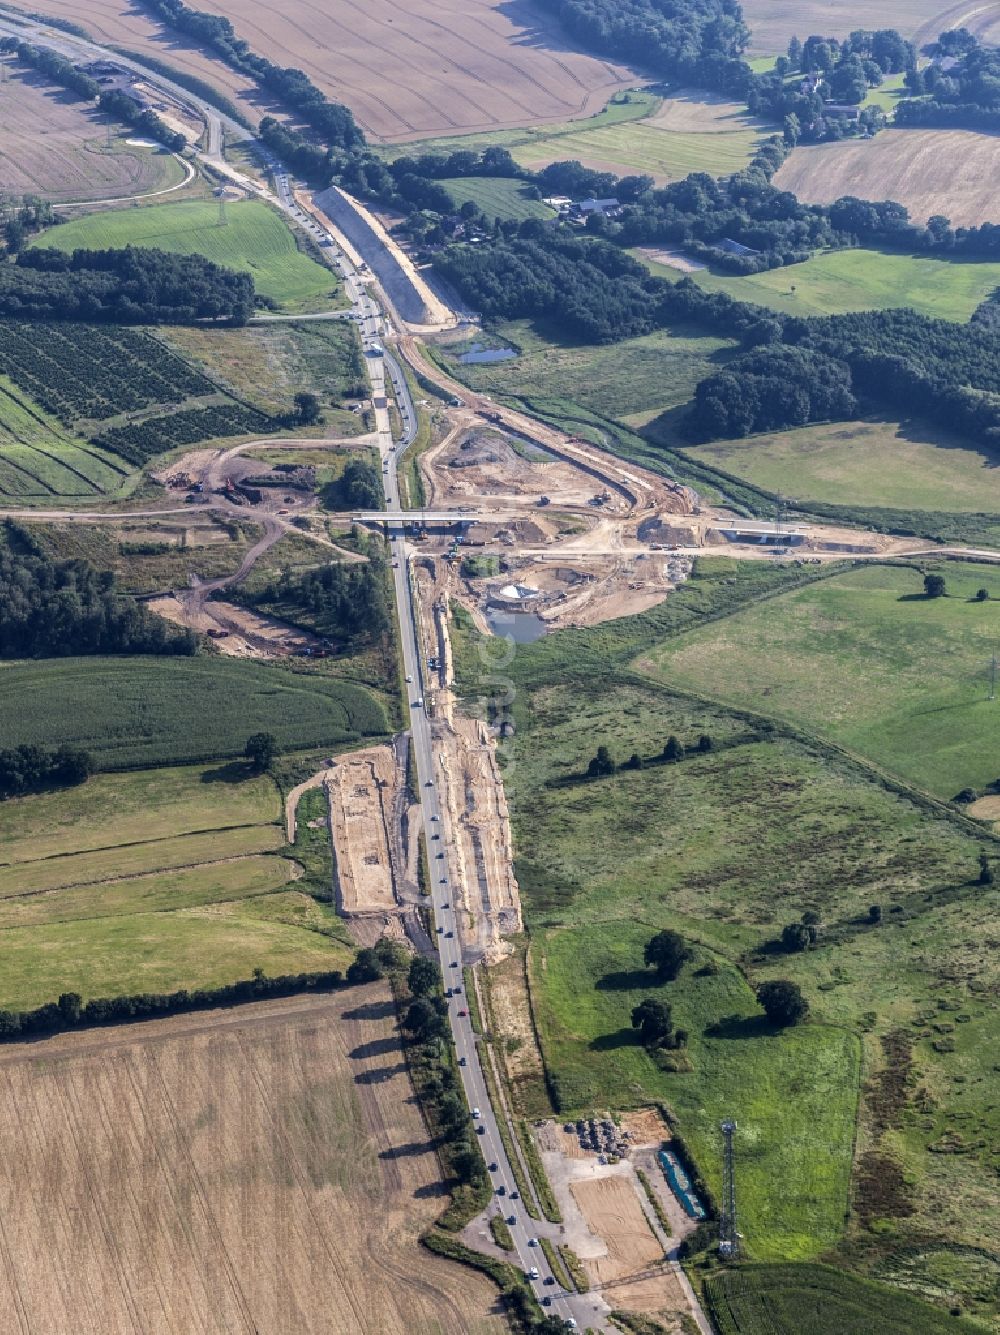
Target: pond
x=522 y=627
x=477 y=353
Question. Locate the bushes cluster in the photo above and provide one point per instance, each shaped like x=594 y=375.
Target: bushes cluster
x=962 y=94
x=118 y=104
x=29 y=769
x=348 y=602
x=57 y=609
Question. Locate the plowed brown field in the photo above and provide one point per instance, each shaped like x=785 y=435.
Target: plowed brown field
x=53 y=145
x=262 y=1169
x=953 y=172
x=431 y=67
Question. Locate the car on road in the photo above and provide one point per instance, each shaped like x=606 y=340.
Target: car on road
x=435 y=818
x=533 y=1272
x=547 y=1300
x=429 y=783
x=409 y=678
x=417 y=704
x=463 y=1012
x=476 y=1112
x=515 y=1195
x=512 y=1219
x=480 y=1130
x=440 y=856
x=549 y=1279
x=454 y=964
x=532 y=1242
x=435 y=836
x=440 y=930
x=493 y=1167
x=444 y=881
x=461 y=1061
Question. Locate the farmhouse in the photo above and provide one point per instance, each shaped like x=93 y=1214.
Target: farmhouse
x=611 y=208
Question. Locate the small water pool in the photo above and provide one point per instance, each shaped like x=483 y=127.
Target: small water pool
x=477 y=353
x=522 y=627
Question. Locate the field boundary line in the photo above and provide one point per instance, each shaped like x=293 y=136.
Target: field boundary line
x=141 y=843
x=139 y=876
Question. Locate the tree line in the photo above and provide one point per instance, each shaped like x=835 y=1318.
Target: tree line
x=113 y=102
x=57 y=609
x=131 y=285
x=332 y=121
x=349 y=602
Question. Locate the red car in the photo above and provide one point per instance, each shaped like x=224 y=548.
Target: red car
x=463 y=1012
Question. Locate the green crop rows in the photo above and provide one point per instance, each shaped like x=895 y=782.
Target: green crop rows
x=146 y=711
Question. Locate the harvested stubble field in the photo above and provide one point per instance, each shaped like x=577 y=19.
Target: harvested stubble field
x=426 y=70
x=773 y=22
x=54 y=145
x=953 y=172
x=260 y=1169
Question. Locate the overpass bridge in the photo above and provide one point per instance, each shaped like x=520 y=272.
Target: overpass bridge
x=433 y=518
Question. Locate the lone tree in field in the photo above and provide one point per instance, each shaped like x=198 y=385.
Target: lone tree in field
x=982 y=595
x=985 y=870
x=306 y=408
x=795 y=936
x=601 y=764
x=934 y=586
x=783 y=1002
x=666 y=952
x=654 y=1022
x=262 y=751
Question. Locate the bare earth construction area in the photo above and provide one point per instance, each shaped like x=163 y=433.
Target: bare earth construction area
x=258 y=1170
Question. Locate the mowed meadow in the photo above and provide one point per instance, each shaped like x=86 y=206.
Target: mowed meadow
x=251 y=236
x=151 y=881
x=264 y=1170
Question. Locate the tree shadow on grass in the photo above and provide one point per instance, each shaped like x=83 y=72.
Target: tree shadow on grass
x=380 y=1074
x=741 y=1026
x=236 y=771
x=626 y=980
x=371 y=1010
x=376 y=1047
x=621 y=1038
x=411 y=1150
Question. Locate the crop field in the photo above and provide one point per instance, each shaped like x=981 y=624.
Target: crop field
x=930 y=171
x=816 y=1300
x=254 y=237
x=54 y=145
x=497 y=196
x=132 y=712
x=773 y=22
x=796 y=1092
x=860 y=280
x=870 y=463
x=652 y=373
x=265 y=1169
x=865 y=660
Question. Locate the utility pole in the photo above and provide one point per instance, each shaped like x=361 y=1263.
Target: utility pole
x=729 y=1238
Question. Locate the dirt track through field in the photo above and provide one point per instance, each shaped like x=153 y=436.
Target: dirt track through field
x=262 y=1169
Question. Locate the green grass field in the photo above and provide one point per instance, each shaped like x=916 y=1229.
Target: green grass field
x=817 y=1300
x=154 y=880
x=865 y=660
x=138 y=712
x=497 y=196
x=796 y=1092
x=868 y=463
x=110 y=809
x=644 y=147
x=254 y=237
x=648 y=374
x=888 y=93
x=40 y=459
x=857 y=280
x=726 y=847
